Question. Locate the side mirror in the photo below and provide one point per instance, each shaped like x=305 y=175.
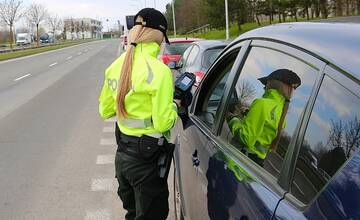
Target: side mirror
x=172 y=65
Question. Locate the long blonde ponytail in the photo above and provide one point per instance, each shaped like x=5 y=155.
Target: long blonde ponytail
x=138 y=34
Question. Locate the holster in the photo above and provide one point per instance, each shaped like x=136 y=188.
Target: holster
x=164 y=160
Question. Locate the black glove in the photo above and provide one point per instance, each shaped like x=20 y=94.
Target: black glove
x=186 y=99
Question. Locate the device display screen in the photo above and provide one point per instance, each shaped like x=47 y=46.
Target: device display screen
x=186 y=81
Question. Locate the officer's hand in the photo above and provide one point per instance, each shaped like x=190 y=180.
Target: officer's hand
x=178 y=102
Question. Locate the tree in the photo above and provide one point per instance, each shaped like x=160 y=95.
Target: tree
x=36 y=14
x=346 y=136
x=10 y=12
x=54 y=22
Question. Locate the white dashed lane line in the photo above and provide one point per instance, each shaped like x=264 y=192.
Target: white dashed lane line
x=102 y=214
x=105 y=159
x=79 y=53
x=113 y=119
x=69 y=58
x=107 y=141
x=103 y=184
x=53 y=64
x=22 y=77
x=110 y=129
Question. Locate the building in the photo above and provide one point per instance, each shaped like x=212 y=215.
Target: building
x=82 y=28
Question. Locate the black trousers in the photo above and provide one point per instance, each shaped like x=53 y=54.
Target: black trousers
x=143 y=193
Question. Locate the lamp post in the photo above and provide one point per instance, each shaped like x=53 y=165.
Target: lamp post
x=174 y=21
x=227 y=19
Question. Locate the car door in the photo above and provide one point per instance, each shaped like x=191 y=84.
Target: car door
x=232 y=185
x=326 y=174
x=193 y=136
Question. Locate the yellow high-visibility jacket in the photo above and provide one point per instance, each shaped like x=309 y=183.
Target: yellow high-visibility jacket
x=149 y=103
x=259 y=127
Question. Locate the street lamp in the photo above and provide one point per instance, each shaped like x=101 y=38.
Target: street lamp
x=227 y=19
x=173 y=11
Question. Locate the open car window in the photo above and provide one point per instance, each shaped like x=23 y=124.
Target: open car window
x=212 y=89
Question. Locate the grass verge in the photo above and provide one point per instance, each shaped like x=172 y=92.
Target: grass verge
x=220 y=33
x=27 y=52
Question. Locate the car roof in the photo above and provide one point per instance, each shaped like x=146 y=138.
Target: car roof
x=206 y=44
x=337 y=43
x=185 y=39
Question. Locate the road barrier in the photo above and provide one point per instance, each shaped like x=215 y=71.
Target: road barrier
x=202 y=28
x=34 y=47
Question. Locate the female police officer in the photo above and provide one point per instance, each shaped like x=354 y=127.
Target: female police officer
x=259 y=130
x=143 y=103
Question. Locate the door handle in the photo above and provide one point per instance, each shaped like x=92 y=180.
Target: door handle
x=195 y=159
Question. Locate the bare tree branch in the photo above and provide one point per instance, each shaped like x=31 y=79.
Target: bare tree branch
x=9 y=14
x=36 y=14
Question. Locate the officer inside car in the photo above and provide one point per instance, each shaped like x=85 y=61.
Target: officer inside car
x=258 y=129
x=146 y=111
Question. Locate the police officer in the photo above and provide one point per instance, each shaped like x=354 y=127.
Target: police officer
x=259 y=129
x=138 y=88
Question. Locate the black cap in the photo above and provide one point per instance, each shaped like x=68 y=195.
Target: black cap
x=153 y=19
x=284 y=75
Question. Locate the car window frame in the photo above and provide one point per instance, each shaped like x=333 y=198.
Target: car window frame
x=242 y=47
x=280 y=184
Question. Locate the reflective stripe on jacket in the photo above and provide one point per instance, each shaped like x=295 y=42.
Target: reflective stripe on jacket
x=149 y=103
x=259 y=127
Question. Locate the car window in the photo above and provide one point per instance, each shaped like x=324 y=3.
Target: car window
x=253 y=113
x=331 y=138
x=213 y=89
x=209 y=57
x=185 y=55
x=176 y=48
x=192 y=56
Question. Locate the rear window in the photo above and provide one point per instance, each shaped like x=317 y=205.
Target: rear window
x=176 y=48
x=210 y=56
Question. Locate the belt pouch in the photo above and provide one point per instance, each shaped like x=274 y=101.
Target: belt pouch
x=148 y=148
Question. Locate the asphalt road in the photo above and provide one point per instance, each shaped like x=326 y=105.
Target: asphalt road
x=57 y=155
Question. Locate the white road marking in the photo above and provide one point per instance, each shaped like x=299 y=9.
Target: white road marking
x=53 y=64
x=113 y=119
x=109 y=129
x=22 y=77
x=105 y=159
x=79 y=53
x=69 y=57
x=103 y=184
x=107 y=141
x=102 y=214
x=119 y=50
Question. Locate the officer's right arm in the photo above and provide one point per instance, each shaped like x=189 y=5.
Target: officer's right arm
x=248 y=129
x=106 y=100
x=164 y=110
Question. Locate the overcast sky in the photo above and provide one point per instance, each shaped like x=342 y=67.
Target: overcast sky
x=112 y=10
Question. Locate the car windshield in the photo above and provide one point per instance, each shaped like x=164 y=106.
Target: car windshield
x=176 y=48
x=21 y=38
x=209 y=56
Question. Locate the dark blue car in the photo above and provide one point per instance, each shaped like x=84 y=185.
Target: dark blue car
x=315 y=171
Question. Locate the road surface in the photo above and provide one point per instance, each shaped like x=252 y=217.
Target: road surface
x=57 y=155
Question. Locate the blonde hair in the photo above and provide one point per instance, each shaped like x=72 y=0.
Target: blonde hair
x=138 y=34
x=284 y=89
